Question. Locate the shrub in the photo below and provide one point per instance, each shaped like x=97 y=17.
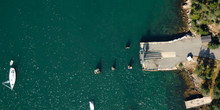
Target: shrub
x=195 y=17
x=203 y=13
x=198 y=70
x=217 y=12
x=215 y=105
x=181 y=65
x=204 y=30
x=209 y=75
x=202 y=76
x=213 y=45
x=204 y=91
x=216 y=92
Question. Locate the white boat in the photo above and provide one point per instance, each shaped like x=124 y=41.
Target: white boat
x=91 y=105
x=11 y=62
x=12 y=77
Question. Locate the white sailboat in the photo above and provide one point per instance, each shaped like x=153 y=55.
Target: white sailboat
x=12 y=77
x=91 y=105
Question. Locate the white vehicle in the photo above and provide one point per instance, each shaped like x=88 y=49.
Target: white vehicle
x=12 y=77
x=91 y=105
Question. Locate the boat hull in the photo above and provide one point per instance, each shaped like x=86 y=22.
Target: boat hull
x=91 y=105
x=12 y=77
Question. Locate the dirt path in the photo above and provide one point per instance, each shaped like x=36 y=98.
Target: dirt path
x=190 y=66
x=214 y=29
x=216 y=72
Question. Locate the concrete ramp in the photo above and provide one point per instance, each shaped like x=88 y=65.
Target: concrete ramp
x=198 y=102
x=168 y=54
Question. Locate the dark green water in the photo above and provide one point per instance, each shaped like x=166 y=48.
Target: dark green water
x=57 y=44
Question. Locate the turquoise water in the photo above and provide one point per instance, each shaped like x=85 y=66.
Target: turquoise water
x=57 y=44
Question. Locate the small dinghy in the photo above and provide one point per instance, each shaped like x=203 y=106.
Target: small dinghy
x=12 y=77
x=97 y=71
x=91 y=105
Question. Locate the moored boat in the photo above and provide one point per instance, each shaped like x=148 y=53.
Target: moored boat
x=97 y=71
x=11 y=62
x=12 y=77
x=91 y=105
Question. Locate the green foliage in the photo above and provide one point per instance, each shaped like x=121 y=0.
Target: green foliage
x=203 y=76
x=204 y=88
x=204 y=30
x=203 y=13
x=205 y=70
x=218 y=36
x=209 y=75
x=213 y=45
x=181 y=65
x=195 y=17
x=198 y=70
x=216 y=92
x=217 y=12
x=215 y=105
x=213 y=5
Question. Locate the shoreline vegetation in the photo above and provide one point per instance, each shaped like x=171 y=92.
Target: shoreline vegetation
x=202 y=75
x=203 y=18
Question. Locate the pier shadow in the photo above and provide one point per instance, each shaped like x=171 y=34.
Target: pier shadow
x=148 y=37
x=131 y=62
x=146 y=47
x=99 y=65
x=193 y=97
x=128 y=44
x=132 y=108
x=114 y=64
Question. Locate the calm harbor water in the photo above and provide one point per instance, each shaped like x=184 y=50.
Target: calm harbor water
x=57 y=44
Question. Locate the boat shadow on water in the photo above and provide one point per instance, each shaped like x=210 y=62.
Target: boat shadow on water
x=128 y=44
x=99 y=65
x=131 y=62
x=114 y=64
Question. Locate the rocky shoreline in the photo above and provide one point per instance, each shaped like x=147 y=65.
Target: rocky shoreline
x=187 y=10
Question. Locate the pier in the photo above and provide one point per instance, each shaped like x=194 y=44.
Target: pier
x=198 y=102
x=156 y=56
